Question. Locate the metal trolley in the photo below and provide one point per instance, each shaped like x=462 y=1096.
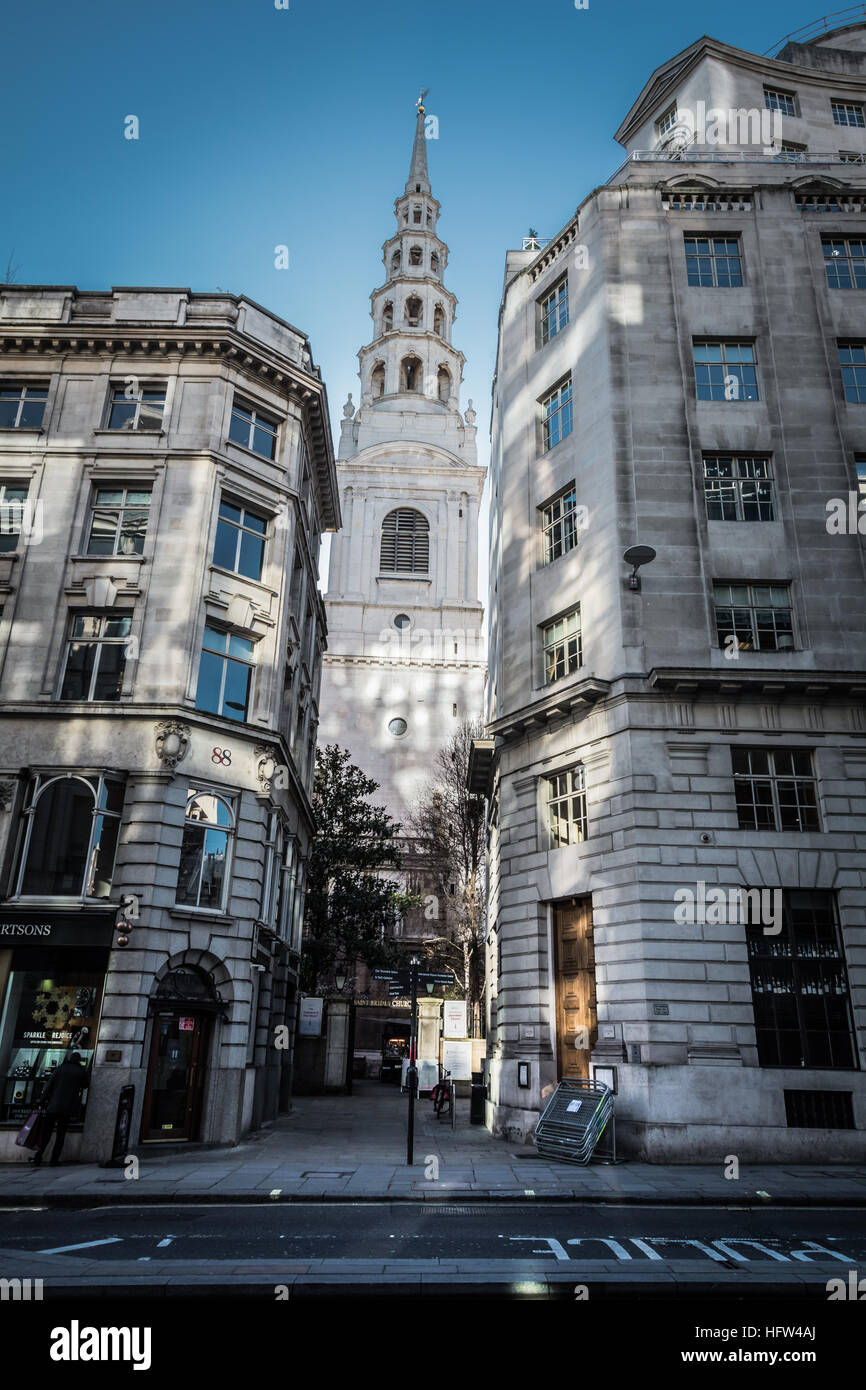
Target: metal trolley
x=574 y=1120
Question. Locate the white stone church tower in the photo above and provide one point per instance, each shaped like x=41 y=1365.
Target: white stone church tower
x=405 y=660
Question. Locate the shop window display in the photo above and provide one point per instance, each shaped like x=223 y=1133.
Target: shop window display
x=51 y=1008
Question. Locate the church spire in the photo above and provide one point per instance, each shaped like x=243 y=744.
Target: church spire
x=419 y=180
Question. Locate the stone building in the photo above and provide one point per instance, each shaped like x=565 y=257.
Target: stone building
x=166 y=471
x=406 y=660
x=683 y=367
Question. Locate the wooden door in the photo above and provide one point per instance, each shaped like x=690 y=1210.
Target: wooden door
x=576 y=1012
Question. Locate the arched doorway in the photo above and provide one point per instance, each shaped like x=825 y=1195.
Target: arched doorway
x=183 y=1007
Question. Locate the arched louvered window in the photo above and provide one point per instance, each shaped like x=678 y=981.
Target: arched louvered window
x=405 y=542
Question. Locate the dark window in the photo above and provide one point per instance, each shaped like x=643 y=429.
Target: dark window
x=819 y=1110
x=800 y=986
x=775 y=789
x=13 y=514
x=202 y=878
x=240 y=540
x=860 y=465
x=225 y=674
x=738 y=487
x=405 y=542
x=714 y=261
x=253 y=429
x=556 y=414
x=845 y=262
x=70 y=837
x=118 y=520
x=554 y=311
x=726 y=371
x=22 y=405
x=136 y=407
x=95 y=657
x=852 y=359
x=758 y=615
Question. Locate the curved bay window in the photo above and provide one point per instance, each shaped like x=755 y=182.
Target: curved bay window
x=405 y=542
x=70 y=837
x=202 y=878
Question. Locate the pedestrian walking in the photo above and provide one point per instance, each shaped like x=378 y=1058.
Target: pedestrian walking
x=60 y=1101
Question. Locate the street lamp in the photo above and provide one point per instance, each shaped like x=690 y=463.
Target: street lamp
x=340 y=981
x=637 y=555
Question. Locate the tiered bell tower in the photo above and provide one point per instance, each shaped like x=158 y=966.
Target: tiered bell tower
x=405 y=660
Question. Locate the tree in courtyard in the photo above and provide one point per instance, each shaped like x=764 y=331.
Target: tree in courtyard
x=448 y=822
x=352 y=907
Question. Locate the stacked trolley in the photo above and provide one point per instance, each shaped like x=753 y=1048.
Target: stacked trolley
x=574 y=1119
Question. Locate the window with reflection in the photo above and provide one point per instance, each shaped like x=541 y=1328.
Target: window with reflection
x=225 y=674
x=202 y=878
x=69 y=837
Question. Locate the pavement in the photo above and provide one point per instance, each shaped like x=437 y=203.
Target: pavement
x=353 y=1149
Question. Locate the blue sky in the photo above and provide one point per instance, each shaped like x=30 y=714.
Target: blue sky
x=261 y=127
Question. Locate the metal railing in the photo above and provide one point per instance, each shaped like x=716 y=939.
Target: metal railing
x=837 y=20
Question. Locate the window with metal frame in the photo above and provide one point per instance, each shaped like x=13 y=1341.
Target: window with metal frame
x=666 y=121
x=553 y=308
x=118 y=520
x=775 y=789
x=726 y=371
x=799 y=981
x=240 y=540
x=845 y=262
x=225 y=674
x=405 y=546
x=556 y=414
x=69 y=836
x=137 y=405
x=253 y=428
x=22 y=404
x=559 y=525
x=96 y=652
x=13 y=502
x=739 y=487
x=714 y=261
x=203 y=872
x=776 y=99
x=561 y=644
x=848 y=113
x=852 y=360
x=566 y=807
x=860 y=465
x=759 y=616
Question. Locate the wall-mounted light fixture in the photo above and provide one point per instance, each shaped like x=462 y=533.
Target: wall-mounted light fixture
x=523 y=1075
x=637 y=555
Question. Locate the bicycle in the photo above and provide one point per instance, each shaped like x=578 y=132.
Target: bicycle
x=442 y=1094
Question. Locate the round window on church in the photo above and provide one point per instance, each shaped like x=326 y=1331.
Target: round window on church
x=401 y=620
x=397 y=727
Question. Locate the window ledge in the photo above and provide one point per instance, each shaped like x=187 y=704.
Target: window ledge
x=59 y=901
x=22 y=429
x=403 y=575
x=206 y=914
x=131 y=434
x=236 y=574
x=245 y=449
x=127 y=559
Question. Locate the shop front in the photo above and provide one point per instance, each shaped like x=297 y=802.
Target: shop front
x=52 y=979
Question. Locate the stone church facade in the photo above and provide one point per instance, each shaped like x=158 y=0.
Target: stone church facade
x=405 y=660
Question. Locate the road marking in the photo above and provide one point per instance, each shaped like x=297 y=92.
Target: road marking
x=85 y=1245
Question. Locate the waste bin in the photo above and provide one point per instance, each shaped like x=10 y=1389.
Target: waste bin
x=477 y=1097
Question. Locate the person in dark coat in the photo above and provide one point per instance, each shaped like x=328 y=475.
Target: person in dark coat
x=60 y=1101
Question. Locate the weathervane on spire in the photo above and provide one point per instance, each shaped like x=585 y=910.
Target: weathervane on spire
x=420 y=102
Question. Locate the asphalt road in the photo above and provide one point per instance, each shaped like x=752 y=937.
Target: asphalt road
x=554 y=1233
